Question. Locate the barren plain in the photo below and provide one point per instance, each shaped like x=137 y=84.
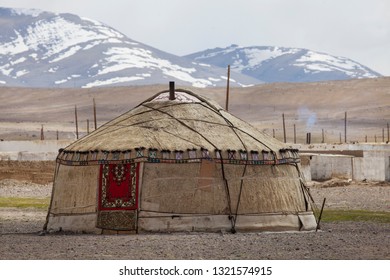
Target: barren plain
x=311 y=107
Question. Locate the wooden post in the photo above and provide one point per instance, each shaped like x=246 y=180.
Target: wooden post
x=94 y=113
x=77 y=125
x=227 y=89
x=87 y=126
x=323 y=136
x=284 y=130
x=57 y=135
x=383 y=135
x=308 y=138
x=345 y=128
x=42 y=135
x=172 y=90
x=366 y=138
x=295 y=134
x=388 y=133
x=273 y=132
x=340 y=138
x=320 y=216
x=375 y=138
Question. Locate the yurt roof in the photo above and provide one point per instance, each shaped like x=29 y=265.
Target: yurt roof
x=189 y=122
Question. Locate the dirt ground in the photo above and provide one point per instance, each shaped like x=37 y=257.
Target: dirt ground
x=21 y=236
x=39 y=172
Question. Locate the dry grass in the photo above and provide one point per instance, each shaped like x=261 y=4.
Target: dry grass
x=25 y=202
x=335 y=215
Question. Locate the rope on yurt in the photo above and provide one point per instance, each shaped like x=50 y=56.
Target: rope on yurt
x=51 y=197
x=182 y=123
x=222 y=166
x=232 y=127
x=239 y=197
x=306 y=193
x=112 y=125
x=230 y=124
x=233 y=230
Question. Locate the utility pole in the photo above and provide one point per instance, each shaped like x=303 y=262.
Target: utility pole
x=172 y=90
x=227 y=89
x=94 y=113
x=345 y=128
x=295 y=134
x=284 y=129
x=42 y=135
x=77 y=125
x=383 y=135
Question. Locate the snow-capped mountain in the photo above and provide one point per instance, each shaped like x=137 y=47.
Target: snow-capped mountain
x=43 y=49
x=277 y=64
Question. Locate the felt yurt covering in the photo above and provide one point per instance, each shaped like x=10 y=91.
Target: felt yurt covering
x=178 y=163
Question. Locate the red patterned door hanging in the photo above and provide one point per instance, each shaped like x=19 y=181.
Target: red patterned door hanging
x=118 y=187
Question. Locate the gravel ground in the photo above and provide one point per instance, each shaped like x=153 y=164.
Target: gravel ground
x=341 y=194
x=20 y=238
x=15 y=188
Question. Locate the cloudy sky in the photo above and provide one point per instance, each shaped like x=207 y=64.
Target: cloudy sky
x=357 y=29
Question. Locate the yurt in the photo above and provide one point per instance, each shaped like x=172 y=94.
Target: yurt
x=178 y=162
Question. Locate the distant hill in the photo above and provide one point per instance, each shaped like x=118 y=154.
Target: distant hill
x=277 y=64
x=311 y=107
x=43 y=49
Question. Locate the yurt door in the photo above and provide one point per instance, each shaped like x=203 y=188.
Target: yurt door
x=118 y=196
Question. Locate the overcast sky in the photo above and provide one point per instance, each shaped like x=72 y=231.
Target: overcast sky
x=357 y=29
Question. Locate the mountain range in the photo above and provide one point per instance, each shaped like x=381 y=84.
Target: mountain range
x=44 y=49
x=277 y=64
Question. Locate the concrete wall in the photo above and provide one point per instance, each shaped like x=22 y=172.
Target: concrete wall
x=373 y=166
x=343 y=147
x=325 y=167
x=387 y=163
x=376 y=165
x=358 y=169
x=360 y=161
